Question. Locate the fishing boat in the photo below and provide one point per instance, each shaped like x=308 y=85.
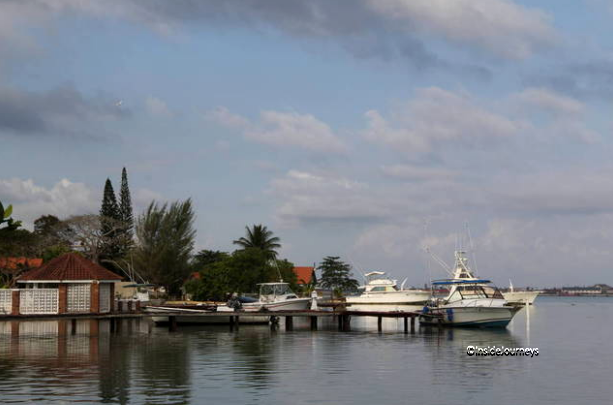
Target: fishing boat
x=277 y=297
x=273 y=297
x=469 y=302
x=525 y=297
x=381 y=294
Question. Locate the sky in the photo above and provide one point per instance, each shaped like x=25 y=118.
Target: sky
x=373 y=130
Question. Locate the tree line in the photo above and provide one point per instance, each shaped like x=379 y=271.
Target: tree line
x=157 y=247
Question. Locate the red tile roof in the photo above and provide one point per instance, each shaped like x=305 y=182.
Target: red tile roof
x=304 y=274
x=14 y=263
x=68 y=267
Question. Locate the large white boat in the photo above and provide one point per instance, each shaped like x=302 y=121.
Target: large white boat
x=520 y=297
x=381 y=294
x=469 y=302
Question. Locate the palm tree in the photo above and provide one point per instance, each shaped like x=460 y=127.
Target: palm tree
x=259 y=237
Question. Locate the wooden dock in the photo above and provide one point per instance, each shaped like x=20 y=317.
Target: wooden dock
x=343 y=318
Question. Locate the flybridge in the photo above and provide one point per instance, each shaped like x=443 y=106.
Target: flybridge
x=454 y=281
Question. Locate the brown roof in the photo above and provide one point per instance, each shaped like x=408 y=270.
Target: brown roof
x=304 y=274
x=14 y=263
x=68 y=267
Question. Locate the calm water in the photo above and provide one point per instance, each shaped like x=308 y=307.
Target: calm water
x=43 y=362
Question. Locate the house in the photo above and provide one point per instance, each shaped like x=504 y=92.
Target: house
x=304 y=274
x=68 y=284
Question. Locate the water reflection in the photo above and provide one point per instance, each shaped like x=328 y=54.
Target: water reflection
x=84 y=361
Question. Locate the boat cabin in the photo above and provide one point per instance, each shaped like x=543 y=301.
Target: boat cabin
x=275 y=292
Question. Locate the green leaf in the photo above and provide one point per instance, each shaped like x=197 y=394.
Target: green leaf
x=8 y=211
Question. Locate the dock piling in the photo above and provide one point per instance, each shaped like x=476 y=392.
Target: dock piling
x=73 y=326
x=379 y=323
x=289 y=323
x=172 y=323
x=313 y=323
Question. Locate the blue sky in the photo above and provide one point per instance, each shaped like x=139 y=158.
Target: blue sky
x=344 y=126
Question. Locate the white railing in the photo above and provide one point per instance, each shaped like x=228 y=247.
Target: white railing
x=6 y=302
x=38 y=301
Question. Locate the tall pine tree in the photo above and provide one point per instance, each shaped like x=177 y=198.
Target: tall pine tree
x=110 y=220
x=126 y=216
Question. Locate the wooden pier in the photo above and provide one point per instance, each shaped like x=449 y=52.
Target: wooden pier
x=343 y=318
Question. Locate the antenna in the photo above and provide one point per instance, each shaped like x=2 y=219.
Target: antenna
x=472 y=249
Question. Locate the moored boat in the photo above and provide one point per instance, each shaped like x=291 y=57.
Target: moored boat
x=381 y=294
x=469 y=302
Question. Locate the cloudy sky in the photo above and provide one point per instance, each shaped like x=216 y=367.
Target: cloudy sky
x=367 y=129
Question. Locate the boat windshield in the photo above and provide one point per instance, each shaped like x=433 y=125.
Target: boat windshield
x=477 y=291
x=275 y=289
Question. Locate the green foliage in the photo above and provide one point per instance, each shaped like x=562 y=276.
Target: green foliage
x=54 y=251
x=336 y=275
x=204 y=258
x=126 y=242
x=165 y=237
x=110 y=218
x=258 y=236
x=5 y=218
x=240 y=272
x=19 y=242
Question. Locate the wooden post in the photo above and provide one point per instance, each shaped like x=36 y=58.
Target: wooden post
x=73 y=326
x=15 y=302
x=379 y=323
x=412 y=325
x=340 y=322
x=95 y=298
x=62 y=298
x=113 y=321
x=289 y=323
x=313 y=323
x=274 y=322
x=112 y=297
x=406 y=324
x=172 y=323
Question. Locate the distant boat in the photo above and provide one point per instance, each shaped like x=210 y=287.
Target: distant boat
x=470 y=301
x=520 y=297
x=381 y=294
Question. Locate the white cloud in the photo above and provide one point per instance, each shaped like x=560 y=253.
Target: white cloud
x=411 y=172
x=63 y=199
x=549 y=100
x=499 y=26
x=283 y=129
x=436 y=117
x=223 y=117
x=157 y=107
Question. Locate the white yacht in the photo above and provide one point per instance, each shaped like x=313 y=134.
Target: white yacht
x=520 y=297
x=469 y=302
x=381 y=294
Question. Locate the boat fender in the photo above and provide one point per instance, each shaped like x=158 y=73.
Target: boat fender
x=425 y=309
x=450 y=314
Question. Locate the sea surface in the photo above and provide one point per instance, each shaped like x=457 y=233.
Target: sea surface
x=43 y=362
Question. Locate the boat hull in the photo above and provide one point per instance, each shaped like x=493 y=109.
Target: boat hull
x=483 y=317
x=403 y=301
x=521 y=297
x=297 y=304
